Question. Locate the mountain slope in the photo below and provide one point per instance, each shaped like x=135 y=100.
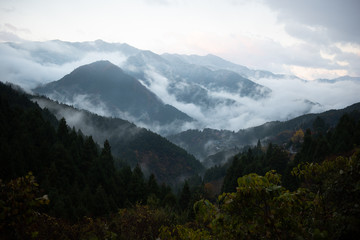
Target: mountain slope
x=210 y=141
x=216 y=93
x=105 y=87
x=155 y=154
x=216 y=63
x=191 y=83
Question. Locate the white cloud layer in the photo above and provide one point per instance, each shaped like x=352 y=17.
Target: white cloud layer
x=284 y=36
x=289 y=98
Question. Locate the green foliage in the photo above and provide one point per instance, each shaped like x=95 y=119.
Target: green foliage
x=338 y=141
x=81 y=180
x=185 y=197
x=214 y=173
x=259 y=209
x=337 y=182
x=325 y=207
x=79 y=177
x=18 y=204
x=255 y=160
x=140 y=222
x=164 y=159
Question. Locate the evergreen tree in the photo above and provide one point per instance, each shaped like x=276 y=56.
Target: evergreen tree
x=152 y=186
x=137 y=188
x=185 y=197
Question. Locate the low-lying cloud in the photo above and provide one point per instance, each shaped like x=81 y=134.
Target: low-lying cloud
x=31 y=65
x=289 y=98
x=82 y=120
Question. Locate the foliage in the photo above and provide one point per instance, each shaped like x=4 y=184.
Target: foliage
x=79 y=177
x=337 y=182
x=259 y=209
x=86 y=190
x=256 y=160
x=325 y=207
x=140 y=222
x=18 y=204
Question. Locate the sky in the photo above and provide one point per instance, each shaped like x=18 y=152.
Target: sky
x=308 y=38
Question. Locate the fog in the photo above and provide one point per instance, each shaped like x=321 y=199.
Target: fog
x=29 y=65
x=289 y=98
x=81 y=120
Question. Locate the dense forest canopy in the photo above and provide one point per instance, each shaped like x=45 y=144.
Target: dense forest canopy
x=57 y=183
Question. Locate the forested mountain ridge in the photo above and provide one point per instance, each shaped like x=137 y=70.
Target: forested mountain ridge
x=325 y=173
x=304 y=187
x=103 y=86
x=73 y=170
x=214 y=92
x=80 y=179
x=211 y=141
x=130 y=143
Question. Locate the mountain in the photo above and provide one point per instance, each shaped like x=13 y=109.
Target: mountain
x=155 y=154
x=214 y=92
x=169 y=163
x=45 y=162
x=192 y=83
x=214 y=63
x=207 y=142
x=339 y=79
x=104 y=87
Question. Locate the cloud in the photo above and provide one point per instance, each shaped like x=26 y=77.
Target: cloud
x=31 y=64
x=81 y=120
x=6 y=36
x=338 y=20
x=320 y=26
x=289 y=98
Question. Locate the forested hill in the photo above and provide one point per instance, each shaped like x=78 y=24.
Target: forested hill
x=79 y=177
x=154 y=153
x=91 y=199
x=211 y=141
x=104 y=85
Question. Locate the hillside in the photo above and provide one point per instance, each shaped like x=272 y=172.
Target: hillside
x=215 y=93
x=210 y=141
x=77 y=191
x=105 y=89
x=132 y=144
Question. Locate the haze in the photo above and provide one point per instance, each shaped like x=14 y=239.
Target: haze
x=310 y=39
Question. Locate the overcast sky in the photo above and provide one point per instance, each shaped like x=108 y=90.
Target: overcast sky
x=309 y=38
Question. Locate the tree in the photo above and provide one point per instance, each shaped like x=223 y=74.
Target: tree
x=152 y=186
x=259 y=209
x=185 y=197
x=319 y=125
x=102 y=206
x=137 y=188
x=19 y=201
x=63 y=131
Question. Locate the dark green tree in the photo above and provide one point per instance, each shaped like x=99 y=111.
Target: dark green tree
x=185 y=197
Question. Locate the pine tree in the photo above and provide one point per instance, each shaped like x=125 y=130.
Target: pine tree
x=185 y=197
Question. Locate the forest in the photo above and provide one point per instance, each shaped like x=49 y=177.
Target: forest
x=57 y=183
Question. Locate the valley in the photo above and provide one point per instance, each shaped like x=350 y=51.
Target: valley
x=160 y=138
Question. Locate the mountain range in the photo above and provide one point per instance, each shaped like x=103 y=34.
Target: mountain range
x=102 y=85
x=134 y=145
x=208 y=142
x=213 y=92
x=204 y=104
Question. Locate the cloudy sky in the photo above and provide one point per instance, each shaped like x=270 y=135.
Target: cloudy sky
x=309 y=38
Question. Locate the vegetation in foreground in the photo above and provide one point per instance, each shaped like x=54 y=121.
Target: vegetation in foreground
x=74 y=191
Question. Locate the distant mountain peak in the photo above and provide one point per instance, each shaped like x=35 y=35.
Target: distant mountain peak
x=100 y=65
x=105 y=87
